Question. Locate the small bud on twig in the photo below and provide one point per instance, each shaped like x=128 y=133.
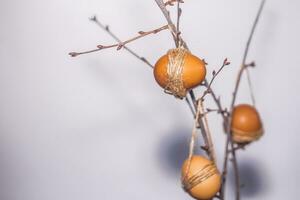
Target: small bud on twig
x=120 y=46
x=73 y=54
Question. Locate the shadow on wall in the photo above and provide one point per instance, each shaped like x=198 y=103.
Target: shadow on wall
x=253 y=178
x=173 y=150
x=8 y=175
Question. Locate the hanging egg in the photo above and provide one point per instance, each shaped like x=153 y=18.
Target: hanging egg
x=200 y=178
x=179 y=71
x=246 y=125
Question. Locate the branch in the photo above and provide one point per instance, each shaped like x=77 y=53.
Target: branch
x=120 y=45
x=203 y=125
x=190 y=106
x=107 y=30
x=172 y=27
x=229 y=133
x=250 y=86
x=211 y=151
x=179 y=12
x=215 y=74
x=200 y=122
x=171 y=2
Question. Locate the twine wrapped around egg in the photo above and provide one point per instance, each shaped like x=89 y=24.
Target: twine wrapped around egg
x=179 y=71
x=239 y=136
x=246 y=125
x=175 y=84
x=200 y=176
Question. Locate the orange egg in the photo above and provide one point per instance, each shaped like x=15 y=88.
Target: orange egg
x=201 y=178
x=246 y=125
x=190 y=71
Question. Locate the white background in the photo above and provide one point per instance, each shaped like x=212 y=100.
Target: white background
x=99 y=127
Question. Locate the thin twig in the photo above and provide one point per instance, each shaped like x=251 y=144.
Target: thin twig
x=171 y=2
x=217 y=110
x=198 y=105
x=217 y=101
x=208 y=133
x=179 y=12
x=229 y=133
x=190 y=106
x=193 y=139
x=172 y=27
x=120 y=45
x=247 y=51
x=117 y=39
x=250 y=87
x=235 y=170
x=215 y=74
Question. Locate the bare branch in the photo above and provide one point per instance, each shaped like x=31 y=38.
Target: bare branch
x=229 y=133
x=215 y=74
x=107 y=30
x=179 y=12
x=190 y=106
x=211 y=150
x=250 y=86
x=172 y=27
x=171 y=2
x=244 y=65
x=120 y=45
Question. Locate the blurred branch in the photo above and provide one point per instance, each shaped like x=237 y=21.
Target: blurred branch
x=228 y=121
x=250 y=86
x=171 y=2
x=179 y=12
x=215 y=74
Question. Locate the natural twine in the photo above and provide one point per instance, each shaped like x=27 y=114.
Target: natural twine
x=208 y=170
x=192 y=144
x=175 y=84
x=200 y=176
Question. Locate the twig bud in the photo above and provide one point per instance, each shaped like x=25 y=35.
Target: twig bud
x=73 y=54
x=93 y=18
x=120 y=46
x=252 y=64
x=226 y=62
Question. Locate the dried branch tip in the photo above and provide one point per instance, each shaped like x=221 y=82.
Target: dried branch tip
x=252 y=64
x=226 y=62
x=93 y=18
x=73 y=54
x=171 y=2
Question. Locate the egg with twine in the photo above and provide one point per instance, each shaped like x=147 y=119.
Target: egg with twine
x=246 y=125
x=179 y=71
x=200 y=178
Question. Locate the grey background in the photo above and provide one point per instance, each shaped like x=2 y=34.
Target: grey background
x=99 y=127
